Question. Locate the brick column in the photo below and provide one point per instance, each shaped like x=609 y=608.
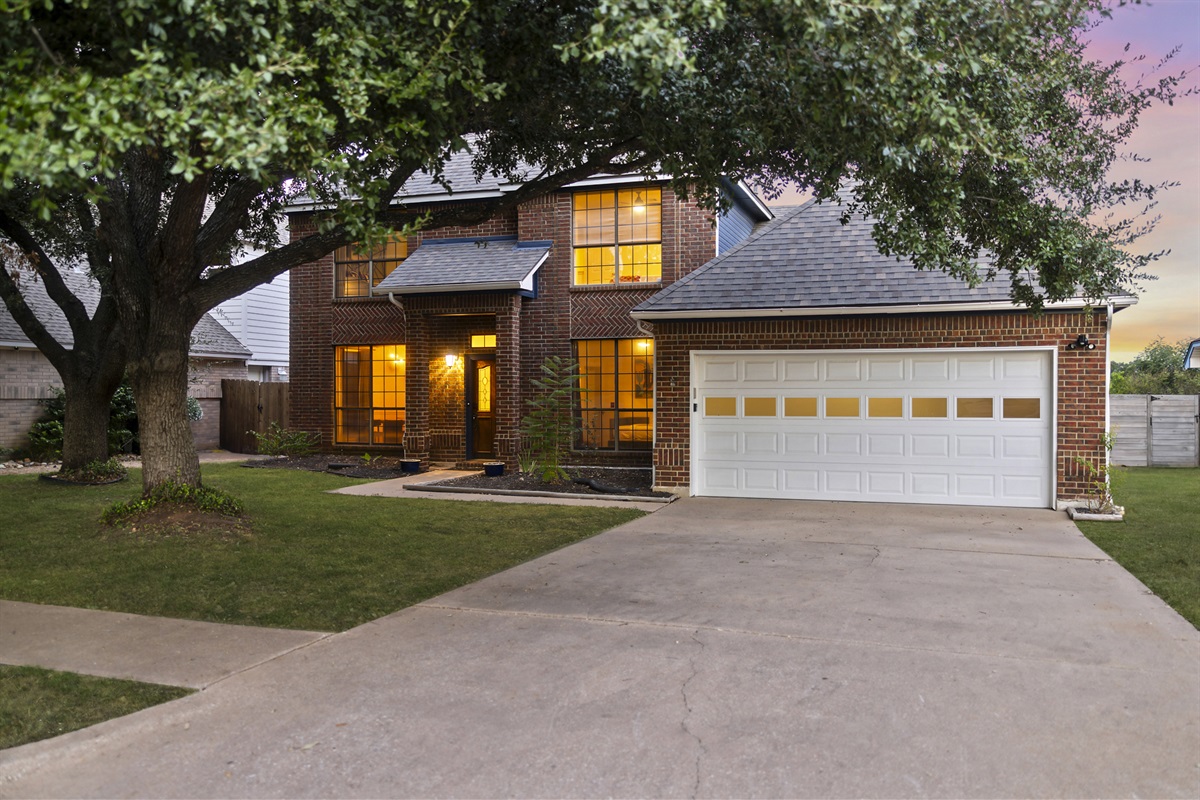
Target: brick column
x=508 y=374
x=416 y=359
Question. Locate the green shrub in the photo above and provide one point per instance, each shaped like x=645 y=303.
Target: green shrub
x=201 y=498
x=46 y=435
x=549 y=427
x=280 y=441
x=97 y=472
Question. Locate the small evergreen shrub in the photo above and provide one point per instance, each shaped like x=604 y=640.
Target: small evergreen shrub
x=549 y=428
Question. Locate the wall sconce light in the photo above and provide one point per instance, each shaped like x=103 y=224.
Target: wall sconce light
x=1081 y=343
x=450 y=359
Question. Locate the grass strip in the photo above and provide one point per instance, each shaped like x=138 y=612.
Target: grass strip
x=37 y=704
x=1159 y=541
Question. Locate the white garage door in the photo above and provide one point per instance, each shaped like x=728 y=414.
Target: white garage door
x=962 y=427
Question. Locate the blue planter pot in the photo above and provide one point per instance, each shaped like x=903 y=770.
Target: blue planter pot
x=493 y=469
x=410 y=465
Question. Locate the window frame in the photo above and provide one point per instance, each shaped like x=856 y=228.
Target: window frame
x=635 y=384
x=383 y=425
x=614 y=243
x=373 y=268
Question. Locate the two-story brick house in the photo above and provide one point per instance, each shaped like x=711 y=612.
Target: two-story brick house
x=741 y=356
x=429 y=345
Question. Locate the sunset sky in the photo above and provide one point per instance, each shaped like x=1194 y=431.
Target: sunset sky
x=1170 y=137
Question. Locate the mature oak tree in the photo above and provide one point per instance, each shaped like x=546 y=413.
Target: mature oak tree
x=153 y=139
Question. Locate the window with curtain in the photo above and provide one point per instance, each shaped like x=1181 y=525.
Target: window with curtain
x=369 y=395
x=616 y=393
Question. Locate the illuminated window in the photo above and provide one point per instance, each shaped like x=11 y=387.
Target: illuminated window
x=369 y=395
x=929 y=408
x=1022 y=408
x=720 y=406
x=800 y=406
x=885 y=407
x=483 y=340
x=356 y=273
x=759 y=406
x=617 y=236
x=616 y=393
x=841 y=406
x=974 y=407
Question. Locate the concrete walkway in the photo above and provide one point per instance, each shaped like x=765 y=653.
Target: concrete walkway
x=175 y=652
x=715 y=648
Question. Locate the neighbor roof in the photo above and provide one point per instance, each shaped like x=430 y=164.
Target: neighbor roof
x=209 y=337
x=806 y=262
x=467 y=265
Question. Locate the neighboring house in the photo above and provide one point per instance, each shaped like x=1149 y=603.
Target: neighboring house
x=259 y=320
x=798 y=362
x=430 y=345
x=28 y=379
x=805 y=364
x=1191 y=359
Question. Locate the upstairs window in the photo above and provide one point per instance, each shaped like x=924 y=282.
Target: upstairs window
x=356 y=272
x=617 y=236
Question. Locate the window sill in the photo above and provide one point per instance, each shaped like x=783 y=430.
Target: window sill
x=619 y=287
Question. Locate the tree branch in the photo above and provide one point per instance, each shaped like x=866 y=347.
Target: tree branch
x=226 y=219
x=23 y=315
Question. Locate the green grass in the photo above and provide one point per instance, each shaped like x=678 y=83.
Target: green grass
x=313 y=561
x=1159 y=541
x=38 y=703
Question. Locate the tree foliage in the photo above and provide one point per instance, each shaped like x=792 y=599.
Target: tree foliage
x=155 y=140
x=1158 y=369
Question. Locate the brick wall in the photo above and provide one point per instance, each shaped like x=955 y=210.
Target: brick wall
x=1081 y=388
x=26 y=378
x=528 y=329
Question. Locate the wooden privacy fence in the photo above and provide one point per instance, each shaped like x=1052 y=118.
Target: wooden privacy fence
x=1156 y=430
x=250 y=406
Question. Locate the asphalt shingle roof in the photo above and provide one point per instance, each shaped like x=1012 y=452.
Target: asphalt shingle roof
x=209 y=337
x=465 y=265
x=806 y=259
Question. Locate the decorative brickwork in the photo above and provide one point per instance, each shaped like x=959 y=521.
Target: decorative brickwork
x=1080 y=381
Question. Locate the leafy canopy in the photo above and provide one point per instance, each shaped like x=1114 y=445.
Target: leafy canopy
x=1158 y=369
x=967 y=126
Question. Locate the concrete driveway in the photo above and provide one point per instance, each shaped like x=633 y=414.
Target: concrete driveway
x=714 y=648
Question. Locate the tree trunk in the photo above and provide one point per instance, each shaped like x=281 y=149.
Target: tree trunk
x=159 y=377
x=85 y=423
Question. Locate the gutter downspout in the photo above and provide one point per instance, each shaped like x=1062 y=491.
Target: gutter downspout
x=1108 y=433
x=403 y=317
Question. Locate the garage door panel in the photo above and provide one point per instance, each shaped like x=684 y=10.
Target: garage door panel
x=843 y=444
x=888 y=483
x=972 y=428
x=975 y=446
x=885 y=444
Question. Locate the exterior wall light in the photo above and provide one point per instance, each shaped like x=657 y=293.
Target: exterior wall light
x=1081 y=343
x=450 y=359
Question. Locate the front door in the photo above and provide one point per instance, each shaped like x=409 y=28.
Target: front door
x=481 y=405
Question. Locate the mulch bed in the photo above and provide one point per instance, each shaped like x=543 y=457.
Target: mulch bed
x=635 y=482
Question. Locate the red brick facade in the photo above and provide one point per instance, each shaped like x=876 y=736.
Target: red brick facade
x=433 y=325
x=1080 y=387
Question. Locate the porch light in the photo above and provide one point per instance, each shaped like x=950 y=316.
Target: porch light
x=451 y=359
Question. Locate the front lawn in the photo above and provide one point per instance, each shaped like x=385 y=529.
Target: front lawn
x=313 y=561
x=1159 y=541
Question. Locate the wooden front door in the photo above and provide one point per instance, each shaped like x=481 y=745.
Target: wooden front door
x=481 y=406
